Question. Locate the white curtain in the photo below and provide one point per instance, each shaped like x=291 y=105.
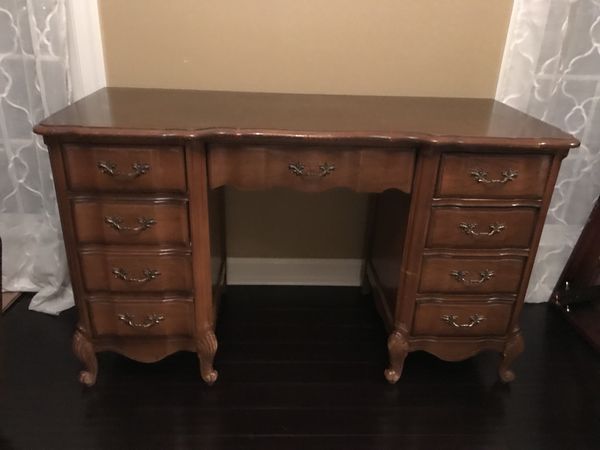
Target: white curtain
x=34 y=82
x=551 y=70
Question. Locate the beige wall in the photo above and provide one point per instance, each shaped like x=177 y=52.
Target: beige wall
x=393 y=47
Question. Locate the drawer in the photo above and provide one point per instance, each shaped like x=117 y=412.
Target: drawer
x=136 y=272
x=455 y=319
x=125 y=168
x=143 y=318
x=310 y=168
x=499 y=176
x=454 y=227
x=471 y=275
x=100 y=221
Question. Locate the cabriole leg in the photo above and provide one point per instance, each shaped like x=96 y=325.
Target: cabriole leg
x=84 y=350
x=398 y=349
x=207 y=348
x=513 y=348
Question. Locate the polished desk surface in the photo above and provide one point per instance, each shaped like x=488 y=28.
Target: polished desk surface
x=212 y=114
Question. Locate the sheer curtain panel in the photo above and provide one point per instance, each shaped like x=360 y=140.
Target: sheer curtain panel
x=551 y=70
x=34 y=82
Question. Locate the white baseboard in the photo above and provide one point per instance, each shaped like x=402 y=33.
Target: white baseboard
x=290 y=271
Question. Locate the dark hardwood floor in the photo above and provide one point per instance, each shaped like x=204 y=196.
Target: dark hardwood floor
x=299 y=368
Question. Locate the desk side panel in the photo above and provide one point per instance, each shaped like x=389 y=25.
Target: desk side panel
x=387 y=249
x=216 y=211
x=56 y=153
x=418 y=224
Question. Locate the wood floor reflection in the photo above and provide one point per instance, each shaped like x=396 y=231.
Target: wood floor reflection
x=299 y=367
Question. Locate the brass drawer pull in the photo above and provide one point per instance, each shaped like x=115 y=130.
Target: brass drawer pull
x=299 y=170
x=481 y=176
x=110 y=169
x=149 y=275
x=461 y=276
x=117 y=223
x=475 y=319
x=149 y=321
x=469 y=229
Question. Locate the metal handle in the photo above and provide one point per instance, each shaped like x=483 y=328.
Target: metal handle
x=481 y=176
x=110 y=169
x=149 y=321
x=299 y=170
x=475 y=319
x=117 y=223
x=469 y=229
x=461 y=276
x=149 y=275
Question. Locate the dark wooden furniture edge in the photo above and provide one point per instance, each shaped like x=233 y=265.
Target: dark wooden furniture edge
x=539 y=135
x=289 y=136
x=579 y=272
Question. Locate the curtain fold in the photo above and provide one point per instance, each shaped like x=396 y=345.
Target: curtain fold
x=551 y=70
x=34 y=82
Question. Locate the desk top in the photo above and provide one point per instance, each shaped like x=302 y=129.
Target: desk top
x=134 y=112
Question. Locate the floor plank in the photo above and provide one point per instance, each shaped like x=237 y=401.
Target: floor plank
x=299 y=368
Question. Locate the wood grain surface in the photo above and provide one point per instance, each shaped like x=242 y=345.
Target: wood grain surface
x=232 y=115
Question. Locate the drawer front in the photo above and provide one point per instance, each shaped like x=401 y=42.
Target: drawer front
x=121 y=168
x=471 y=275
x=311 y=168
x=131 y=222
x=453 y=227
x=114 y=272
x=498 y=176
x=451 y=319
x=141 y=318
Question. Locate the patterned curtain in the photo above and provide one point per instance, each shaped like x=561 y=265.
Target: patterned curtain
x=34 y=82
x=551 y=70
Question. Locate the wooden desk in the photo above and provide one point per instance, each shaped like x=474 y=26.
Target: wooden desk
x=463 y=186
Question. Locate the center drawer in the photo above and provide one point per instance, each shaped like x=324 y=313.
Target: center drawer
x=136 y=271
x=310 y=168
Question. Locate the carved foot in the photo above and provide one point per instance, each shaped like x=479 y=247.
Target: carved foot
x=84 y=350
x=207 y=348
x=398 y=349
x=513 y=348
